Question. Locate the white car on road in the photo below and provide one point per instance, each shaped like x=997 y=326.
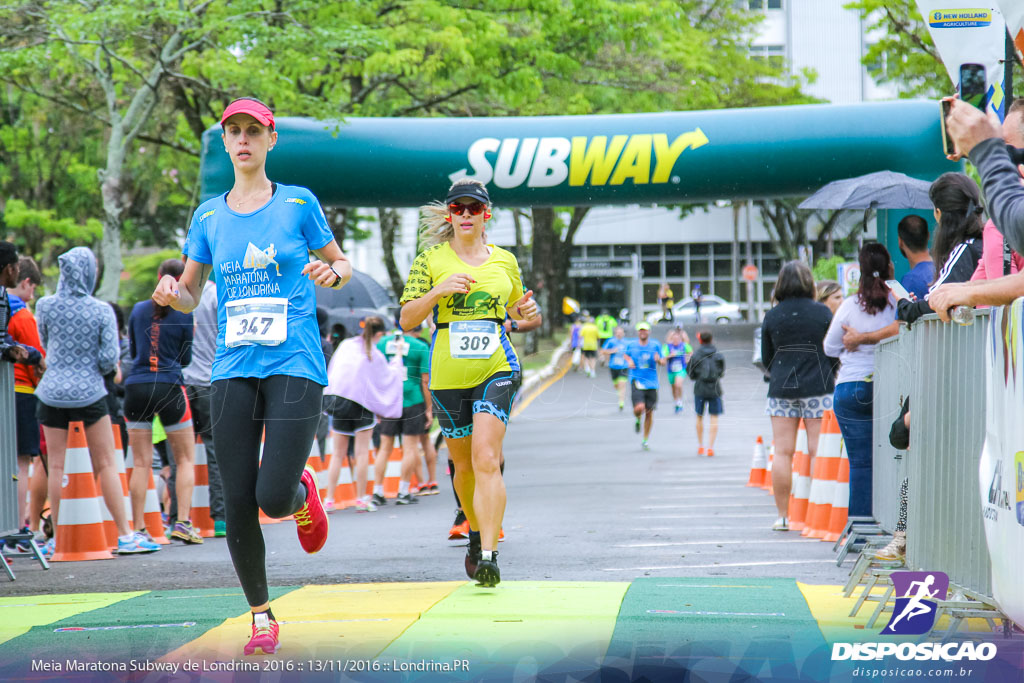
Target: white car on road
x=713 y=309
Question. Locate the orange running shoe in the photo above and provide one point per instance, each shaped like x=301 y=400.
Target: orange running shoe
x=311 y=521
x=700 y=451
x=265 y=636
x=501 y=535
x=711 y=452
x=460 y=528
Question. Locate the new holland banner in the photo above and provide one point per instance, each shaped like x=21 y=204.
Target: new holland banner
x=969 y=32
x=1001 y=470
x=1013 y=12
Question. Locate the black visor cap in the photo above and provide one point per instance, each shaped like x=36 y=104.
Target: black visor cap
x=475 y=191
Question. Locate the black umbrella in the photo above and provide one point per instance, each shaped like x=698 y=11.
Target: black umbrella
x=362 y=291
x=881 y=190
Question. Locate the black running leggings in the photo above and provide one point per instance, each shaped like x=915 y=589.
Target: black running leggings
x=289 y=408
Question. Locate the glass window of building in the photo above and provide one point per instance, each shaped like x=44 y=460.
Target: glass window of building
x=698 y=250
x=674 y=268
x=650 y=293
x=650 y=250
x=699 y=267
x=624 y=250
x=598 y=251
x=577 y=251
x=651 y=268
x=675 y=250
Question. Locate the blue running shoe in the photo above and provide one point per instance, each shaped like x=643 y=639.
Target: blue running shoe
x=138 y=544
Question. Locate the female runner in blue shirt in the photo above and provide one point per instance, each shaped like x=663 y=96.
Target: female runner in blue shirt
x=269 y=370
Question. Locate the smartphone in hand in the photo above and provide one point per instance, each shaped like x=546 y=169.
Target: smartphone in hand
x=898 y=290
x=948 y=148
x=974 y=85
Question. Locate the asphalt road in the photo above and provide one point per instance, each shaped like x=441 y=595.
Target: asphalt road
x=585 y=504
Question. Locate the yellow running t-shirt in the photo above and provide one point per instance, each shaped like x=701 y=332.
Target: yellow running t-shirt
x=589 y=333
x=498 y=286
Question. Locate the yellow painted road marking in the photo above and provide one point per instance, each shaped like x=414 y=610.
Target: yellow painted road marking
x=326 y=622
x=21 y=613
x=832 y=612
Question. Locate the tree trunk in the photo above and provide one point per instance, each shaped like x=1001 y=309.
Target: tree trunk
x=113 y=206
x=547 y=286
x=389 y=223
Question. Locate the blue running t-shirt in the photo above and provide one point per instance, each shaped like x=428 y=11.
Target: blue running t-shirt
x=676 y=355
x=617 y=360
x=645 y=357
x=257 y=261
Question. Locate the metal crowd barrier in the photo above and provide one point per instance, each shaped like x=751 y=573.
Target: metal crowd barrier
x=894 y=371
x=942 y=366
x=8 y=455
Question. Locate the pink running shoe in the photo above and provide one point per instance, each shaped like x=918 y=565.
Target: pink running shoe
x=264 y=636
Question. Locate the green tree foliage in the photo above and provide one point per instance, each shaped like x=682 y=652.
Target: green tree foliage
x=139 y=278
x=825 y=268
x=904 y=54
x=116 y=94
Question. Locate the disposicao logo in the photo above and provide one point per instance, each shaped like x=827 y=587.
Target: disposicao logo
x=604 y=160
x=960 y=18
x=914 y=614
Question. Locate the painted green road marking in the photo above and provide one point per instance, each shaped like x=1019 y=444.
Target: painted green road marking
x=21 y=614
x=206 y=607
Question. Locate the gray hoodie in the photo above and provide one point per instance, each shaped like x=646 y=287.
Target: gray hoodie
x=79 y=333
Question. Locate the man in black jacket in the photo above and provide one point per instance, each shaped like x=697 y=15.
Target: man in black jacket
x=706 y=368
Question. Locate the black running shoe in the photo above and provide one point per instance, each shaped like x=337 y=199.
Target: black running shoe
x=487 y=573
x=379 y=499
x=472 y=557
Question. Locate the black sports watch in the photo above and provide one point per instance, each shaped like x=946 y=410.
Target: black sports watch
x=515 y=325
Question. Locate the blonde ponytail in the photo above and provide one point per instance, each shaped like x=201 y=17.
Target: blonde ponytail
x=371 y=326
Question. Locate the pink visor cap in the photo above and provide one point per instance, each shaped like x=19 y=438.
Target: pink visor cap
x=253 y=108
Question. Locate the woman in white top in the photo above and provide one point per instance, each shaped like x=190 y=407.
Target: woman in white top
x=871 y=309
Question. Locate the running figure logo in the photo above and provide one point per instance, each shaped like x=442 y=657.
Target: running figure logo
x=914 y=613
x=260 y=258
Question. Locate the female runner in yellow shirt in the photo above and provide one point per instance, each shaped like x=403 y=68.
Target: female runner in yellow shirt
x=467 y=286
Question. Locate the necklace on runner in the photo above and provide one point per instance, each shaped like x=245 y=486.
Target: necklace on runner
x=240 y=201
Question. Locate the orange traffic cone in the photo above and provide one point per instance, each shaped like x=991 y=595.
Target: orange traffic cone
x=151 y=511
x=767 y=485
x=826 y=468
x=201 y=519
x=393 y=473
x=841 y=501
x=80 y=534
x=345 y=489
x=317 y=463
x=801 y=488
x=122 y=472
x=759 y=465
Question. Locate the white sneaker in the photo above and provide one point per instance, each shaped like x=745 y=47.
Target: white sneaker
x=781 y=524
x=365 y=506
